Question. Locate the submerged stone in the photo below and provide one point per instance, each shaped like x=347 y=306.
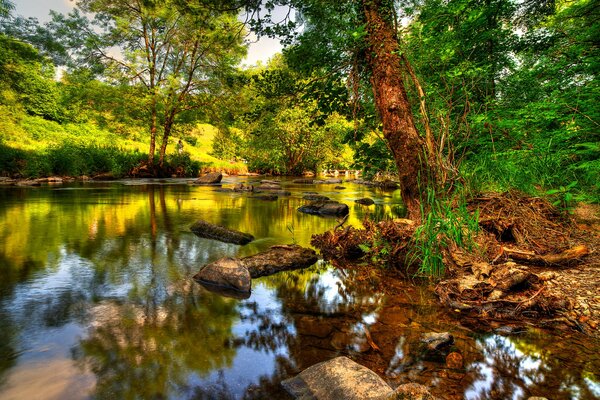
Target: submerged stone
x=304 y=181
x=410 y=391
x=267 y=197
x=436 y=341
x=211 y=231
x=315 y=197
x=365 y=201
x=337 y=379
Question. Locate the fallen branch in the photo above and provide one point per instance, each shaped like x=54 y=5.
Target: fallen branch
x=562 y=259
x=370 y=339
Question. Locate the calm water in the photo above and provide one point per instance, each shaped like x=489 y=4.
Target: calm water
x=97 y=301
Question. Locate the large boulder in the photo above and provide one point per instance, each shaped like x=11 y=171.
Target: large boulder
x=279 y=258
x=227 y=273
x=325 y=208
x=337 y=379
x=210 y=178
x=211 y=231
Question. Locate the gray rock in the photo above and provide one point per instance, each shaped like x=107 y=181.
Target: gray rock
x=269 y=186
x=365 y=201
x=325 y=208
x=339 y=187
x=279 y=258
x=211 y=231
x=315 y=197
x=410 y=391
x=227 y=273
x=337 y=379
x=269 y=182
x=304 y=181
x=210 y=178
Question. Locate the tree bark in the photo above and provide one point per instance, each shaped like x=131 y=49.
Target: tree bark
x=153 y=118
x=408 y=147
x=168 y=126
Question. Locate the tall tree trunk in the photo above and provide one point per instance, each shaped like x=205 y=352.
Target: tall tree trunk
x=153 y=119
x=408 y=148
x=168 y=125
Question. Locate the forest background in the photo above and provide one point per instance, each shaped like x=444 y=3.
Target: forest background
x=507 y=90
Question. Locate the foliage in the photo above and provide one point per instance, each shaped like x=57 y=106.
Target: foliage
x=177 y=58
x=446 y=223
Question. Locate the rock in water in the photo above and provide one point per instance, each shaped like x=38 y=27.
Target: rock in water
x=436 y=341
x=269 y=186
x=228 y=273
x=210 y=178
x=279 y=258
x=315 y=197
x=325 y=208
x=337 y=379
x=267 y=197
x=210 y=231
x=365 y=201
x=410 y=391
x=304 y=181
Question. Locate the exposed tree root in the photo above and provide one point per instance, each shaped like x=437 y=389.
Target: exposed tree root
x=523 y=244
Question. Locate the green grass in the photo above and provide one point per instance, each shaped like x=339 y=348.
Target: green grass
x=32 y=147
x=446 y=222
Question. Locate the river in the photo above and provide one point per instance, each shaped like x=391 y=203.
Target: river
x=97 y=301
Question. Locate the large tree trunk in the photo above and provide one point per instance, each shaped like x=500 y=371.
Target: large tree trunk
x=153 y=118
x=408 y=148
x=168 y=126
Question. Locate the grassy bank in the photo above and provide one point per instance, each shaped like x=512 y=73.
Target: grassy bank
x=32 y=147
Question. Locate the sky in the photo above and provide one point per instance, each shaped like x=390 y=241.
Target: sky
x=260 y=50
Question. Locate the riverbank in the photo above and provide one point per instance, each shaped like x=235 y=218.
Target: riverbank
x=529 y=264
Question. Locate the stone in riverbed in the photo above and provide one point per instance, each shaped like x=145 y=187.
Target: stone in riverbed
x=315 y=197
x=365 y=201
x=304 y=181
x=279 y=258
x=210 y=178
x=226 y=273
x=267 y=197
x=337 y=379
x=269 y=186
x=436 y=341
x=325 y=208
x=410 y=391
x=211 y=231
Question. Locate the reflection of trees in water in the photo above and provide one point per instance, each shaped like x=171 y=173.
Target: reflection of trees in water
x=149 y=350
x=533 y=365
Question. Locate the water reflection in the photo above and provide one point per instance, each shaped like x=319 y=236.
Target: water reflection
x=96 y=301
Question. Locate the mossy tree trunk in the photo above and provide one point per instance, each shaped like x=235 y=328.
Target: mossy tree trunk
x=408 y=147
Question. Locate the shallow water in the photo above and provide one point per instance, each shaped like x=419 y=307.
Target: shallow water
x=97 y=301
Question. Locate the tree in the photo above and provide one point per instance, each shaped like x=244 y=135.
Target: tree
x=334 y=35
x=177 y=58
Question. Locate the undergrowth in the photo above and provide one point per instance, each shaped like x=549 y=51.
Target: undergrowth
x=446 y=222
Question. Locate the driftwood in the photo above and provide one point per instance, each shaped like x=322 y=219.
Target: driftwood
x=565 y=258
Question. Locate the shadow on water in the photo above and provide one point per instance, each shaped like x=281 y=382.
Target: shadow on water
x=97 y=301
